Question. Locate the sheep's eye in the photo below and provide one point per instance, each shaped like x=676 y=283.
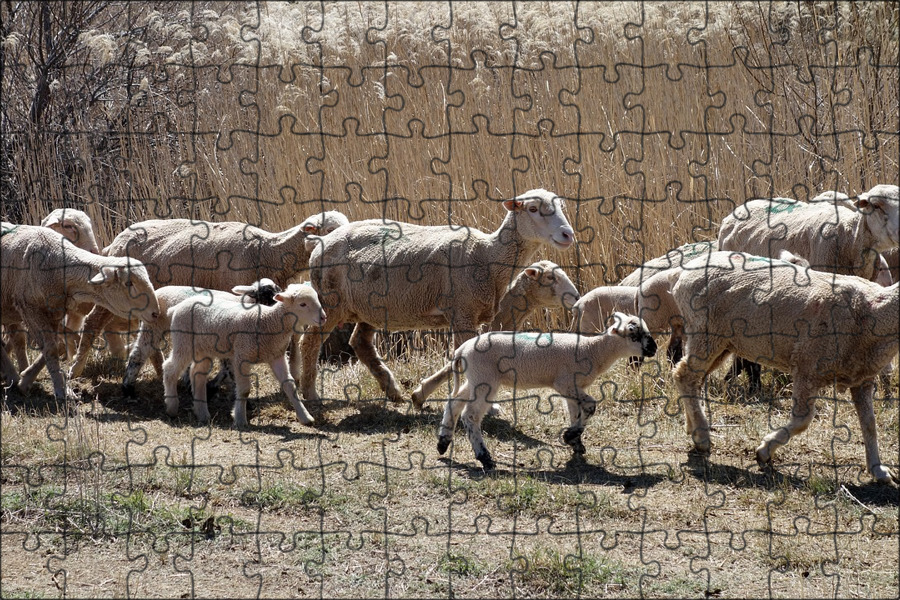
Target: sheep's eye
x=533 y=209
x=303 y=304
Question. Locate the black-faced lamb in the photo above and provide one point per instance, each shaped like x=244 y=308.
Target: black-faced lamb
x=821 y=328
x=208 y=255
x=566 y=362
x=398 y=276
x=202 y=331
x=43 y=274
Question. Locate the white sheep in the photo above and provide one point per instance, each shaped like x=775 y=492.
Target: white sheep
x=202 y=331
x=397 y=276
x=831 y=236
x=821 y=328
x=76 y=226
x=208 y=255
x=671 y=259
x=43 y=273
x=567 y=362
x=541 y=285
x=590 y=313
x=151 y=337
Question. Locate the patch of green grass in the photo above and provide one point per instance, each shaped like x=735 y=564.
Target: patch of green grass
x=461 y=564
x=679 y=587
x=548 y=570
x=280 y=496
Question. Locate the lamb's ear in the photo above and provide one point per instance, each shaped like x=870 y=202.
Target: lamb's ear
x=618 y=325
x=52 y=220
x=240 y=290
x=310 y=229
x=106 y=275
x=533 y=273
x=512 y=205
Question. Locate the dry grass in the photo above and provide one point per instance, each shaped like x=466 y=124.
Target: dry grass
x=269 y=112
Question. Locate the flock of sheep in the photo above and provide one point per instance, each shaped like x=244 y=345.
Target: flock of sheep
x=802 y=287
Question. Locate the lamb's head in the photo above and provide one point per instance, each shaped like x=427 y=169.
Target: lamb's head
x=553 y=286
x=540 y=218
x=881 y=205
x=324 y=223
x=260 y=292
x=633 y=330
x=301 y=300
x=75 y=226
x=124 y=287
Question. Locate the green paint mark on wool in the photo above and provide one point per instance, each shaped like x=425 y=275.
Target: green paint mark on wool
x=540 y=339
x=782 y=205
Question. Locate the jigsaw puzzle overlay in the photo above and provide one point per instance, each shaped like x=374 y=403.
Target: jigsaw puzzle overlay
x=515 y=378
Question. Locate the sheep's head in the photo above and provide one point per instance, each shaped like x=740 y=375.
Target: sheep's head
x=303 y=301
x=634 y=330
x=541 y=218
x=125 y=289
x=881 y=206
x=554 y=286
x=75 y=226
x=324 y=223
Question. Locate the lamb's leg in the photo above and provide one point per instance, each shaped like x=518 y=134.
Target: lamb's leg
x=363 y=343
x=452 y=411
x=462 y=331
x=296 y=351
x=582 y=407
x=472 y=415
x=72 y=332
x=96 y=321
x=142 y=347
x=862 y=402
x=289 y=388
x=199 y=374
x=241 y=393
x=802 y=413
x=173 y=367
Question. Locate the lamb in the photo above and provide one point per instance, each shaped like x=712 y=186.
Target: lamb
x=43 y=273
x=391 y=275
x=567 y=362
x=209 y=255
x=541 y=285
x=203 y=331
x=150 y=337
x=823 y=329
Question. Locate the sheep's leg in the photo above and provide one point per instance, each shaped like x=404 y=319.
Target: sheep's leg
x=289 y=388
x=582 y=407
x=18 y=342
x=296 y=352
x=172 y=368
x=199 y=374
x=862 y=402
x=471 y=417
x=461 y=333
x=310 y=346
x=363 y=343
x=142 y=347
x=689 y=375
x=802 y=413
x=45 y=333
x=452 y=411
x=72 y=331
x=8 y=369
x=96 y=321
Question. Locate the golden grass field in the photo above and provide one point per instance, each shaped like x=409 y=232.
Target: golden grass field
x=653 y=119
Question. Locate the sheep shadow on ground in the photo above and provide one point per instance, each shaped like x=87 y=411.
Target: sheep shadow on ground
x=36 y=402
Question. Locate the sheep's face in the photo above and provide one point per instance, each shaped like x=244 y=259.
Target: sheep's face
x=540 y=217
x=324 y=223
x=126 y=291
x=635 y=330
x=555 y=287
x=303 y=301
x=881 y=205
x=75 y=226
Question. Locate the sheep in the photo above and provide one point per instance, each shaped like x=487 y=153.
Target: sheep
x=567 y=362
x=43 y=273
x=76 y=226
x=590 y=313
x=831 y=236
x=246 y=334
x=671 y=259
x=392 y=275
x=541 y=285
x=822 y=328
x=151 y=336
x=208 y=255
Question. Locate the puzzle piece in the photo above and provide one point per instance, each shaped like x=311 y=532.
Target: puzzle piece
x=606 y=141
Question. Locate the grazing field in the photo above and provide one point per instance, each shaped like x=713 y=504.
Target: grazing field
x=653 y=120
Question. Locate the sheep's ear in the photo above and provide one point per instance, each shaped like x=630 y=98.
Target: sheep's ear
x=105 y=276
x=512 y=205
x=533 y=273
x=51 y=220
x=618 y=326
x=239 y=290
x=310 y=229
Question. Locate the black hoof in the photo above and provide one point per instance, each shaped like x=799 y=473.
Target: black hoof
x=487 y=462
x=443 y=444
x=129 y=391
